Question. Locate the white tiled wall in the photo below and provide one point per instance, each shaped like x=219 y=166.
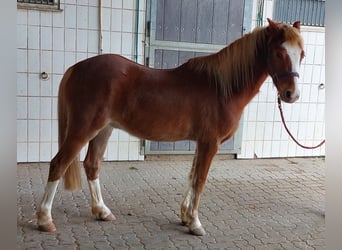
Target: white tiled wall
x=53 y=41
x=263 y=132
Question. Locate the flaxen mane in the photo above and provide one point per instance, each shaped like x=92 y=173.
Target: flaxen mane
x=231 y=69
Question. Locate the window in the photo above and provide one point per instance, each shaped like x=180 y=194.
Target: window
x=308 y=12
x=39 y=4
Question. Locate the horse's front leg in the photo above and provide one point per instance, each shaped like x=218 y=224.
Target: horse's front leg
x=197 y=177
x=92 y=163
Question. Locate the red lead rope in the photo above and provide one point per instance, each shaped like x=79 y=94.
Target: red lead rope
x=288 y=131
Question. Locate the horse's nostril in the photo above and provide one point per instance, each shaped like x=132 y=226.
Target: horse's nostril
x=288 y=94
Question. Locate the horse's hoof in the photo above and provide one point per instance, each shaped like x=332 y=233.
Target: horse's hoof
x=199 y=231
x=109 y=217
x=50 y=227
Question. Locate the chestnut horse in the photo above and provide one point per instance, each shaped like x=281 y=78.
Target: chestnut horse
x=201 y=100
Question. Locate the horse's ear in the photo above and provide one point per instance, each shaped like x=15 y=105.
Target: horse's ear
x=297 y=25
x=272 y=26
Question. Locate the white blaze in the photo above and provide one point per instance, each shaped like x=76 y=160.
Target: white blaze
x=294 y=52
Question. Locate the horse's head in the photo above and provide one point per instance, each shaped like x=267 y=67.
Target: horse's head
x=285 y=53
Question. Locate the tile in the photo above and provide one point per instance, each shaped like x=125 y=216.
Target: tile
x=123 y=152
x=127 y=21
x=116 y=24
x=106 y=19
x=93 y=41
x=116 y=42
x=56 y=79
x=58 y=39
x=70 y=59
x=81 y=40
x=259 y=131
x=58 y=19
x=93 y=18
x=128 y=4
x=106 y=3
x=21 y=107
x=94 y=3
x=45 y=108
x=127 y=44
x=304 y=108
x=117 y=4
x=46 y=87
x=316 y=73
x=309 y=54
x=45 y=131
x=33 y=107
x=46 y=61
x=22 y=131
x=252 y=112
x=270 y=110
x=106 y=42
x=45 y=151
x=46 y=18
x=22 y=152
x=123 y=136
x=319 y=131
x=312 y=112
x=261 y=113
x=70 y=39
x=33 y=18
x=33 y=86
x=305 y=93
x=320 y=38
x=46 y=38
x=58 y=62
x=21 y=84
x=33 y=152
x=134 y=149
x=268 y=131
x=21 y=60
x=33 y=130
x=307 y=74
x=54 y=149
x=54 y=131
x=81 y=56
x=22 y=16
x=301 y=131
x=277 y=127
x=22 y=36
x=267 y=147
x=320 y=112
x=82 y=17
x=283 y=149
x=54 y=109
x=83 y=2
x=70 y=16
x=250 y=131
x=112 y=151
x=275 y=149
x=318 y=56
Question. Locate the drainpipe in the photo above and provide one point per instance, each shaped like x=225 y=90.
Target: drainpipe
x=100 y=28
x=260 y=14
x=136 y=32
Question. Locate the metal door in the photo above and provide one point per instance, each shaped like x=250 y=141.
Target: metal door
x=180 y=29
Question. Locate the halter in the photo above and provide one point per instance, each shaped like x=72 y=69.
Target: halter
x=277 y=76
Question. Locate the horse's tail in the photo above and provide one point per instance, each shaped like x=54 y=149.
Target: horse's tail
x=72 y=176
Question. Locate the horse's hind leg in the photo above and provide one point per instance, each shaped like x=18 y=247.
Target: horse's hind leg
x=58 y=166
x=198 y=175
x=92 y=163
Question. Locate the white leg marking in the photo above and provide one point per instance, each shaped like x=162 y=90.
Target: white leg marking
x=46 y=204
x=97 y=204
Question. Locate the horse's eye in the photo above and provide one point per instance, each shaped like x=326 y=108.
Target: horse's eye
x=279 y=55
